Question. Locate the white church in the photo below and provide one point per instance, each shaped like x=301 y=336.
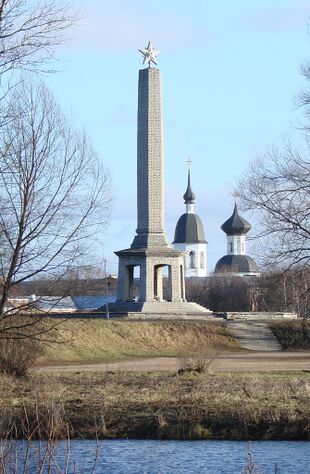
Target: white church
x=189 y=237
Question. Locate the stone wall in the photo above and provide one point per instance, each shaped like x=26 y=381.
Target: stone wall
x=169 y=317
x=260 y=316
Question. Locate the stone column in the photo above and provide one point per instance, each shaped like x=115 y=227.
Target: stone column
x=169 y=284
x=147 y=280
x=123 y=281
x=182 y=282
x=158 y=283
x=175 y=280
x=130 y=274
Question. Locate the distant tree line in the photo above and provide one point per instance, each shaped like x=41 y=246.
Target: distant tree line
x=286 y=291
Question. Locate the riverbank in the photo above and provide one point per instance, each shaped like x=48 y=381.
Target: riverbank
x=185 y=405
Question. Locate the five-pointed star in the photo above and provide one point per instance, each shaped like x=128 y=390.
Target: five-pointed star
x=149 y=54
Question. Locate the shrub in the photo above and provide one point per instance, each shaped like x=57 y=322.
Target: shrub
x=18 y=355
x=198 y=365
x=293 y=335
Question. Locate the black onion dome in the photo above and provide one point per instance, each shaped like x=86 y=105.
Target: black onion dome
x=189 y=230
x=236 y=264
x=189 y=196
x=236 y=225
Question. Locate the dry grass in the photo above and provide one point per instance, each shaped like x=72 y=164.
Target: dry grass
x=293 y=335
x=44 y=423
x=199 y=365
x=110 y=340
x=187 y=406
x=17 y=356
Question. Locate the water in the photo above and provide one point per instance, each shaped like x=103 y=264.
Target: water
x=165 y=457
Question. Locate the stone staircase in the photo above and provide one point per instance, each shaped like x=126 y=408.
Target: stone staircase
x=255 y=336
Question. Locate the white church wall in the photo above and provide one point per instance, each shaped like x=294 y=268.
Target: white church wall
x=195 y=259
x=236 y=244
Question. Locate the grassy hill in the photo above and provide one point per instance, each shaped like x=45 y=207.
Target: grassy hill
x=91 y=340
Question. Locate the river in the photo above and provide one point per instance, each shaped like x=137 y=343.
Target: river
x=165 y=457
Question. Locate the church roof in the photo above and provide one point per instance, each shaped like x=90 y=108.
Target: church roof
x=189 y=196
x=236 y=264
x=236 y=225
x=189 y=230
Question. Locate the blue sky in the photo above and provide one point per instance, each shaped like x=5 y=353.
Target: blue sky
x=230 y=71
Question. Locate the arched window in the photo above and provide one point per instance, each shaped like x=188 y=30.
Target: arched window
x=192 y=259
x=202 y=259
x=231 y=247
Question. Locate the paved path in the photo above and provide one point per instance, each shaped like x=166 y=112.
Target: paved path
x=254 y=335
x=237 y=362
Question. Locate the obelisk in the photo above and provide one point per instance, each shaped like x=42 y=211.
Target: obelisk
x=150 y=200
x=150 y=250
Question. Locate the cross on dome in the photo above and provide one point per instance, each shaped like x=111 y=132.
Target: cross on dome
x=149 y=54
x=235 y=195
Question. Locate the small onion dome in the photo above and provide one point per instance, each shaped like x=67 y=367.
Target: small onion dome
x=236 y=225
x=189 y=196
x=236 y=264
x=189 y=230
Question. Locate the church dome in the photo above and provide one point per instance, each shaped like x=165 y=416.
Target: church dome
x=236 y=225
x=189 y=230
x=236 y=264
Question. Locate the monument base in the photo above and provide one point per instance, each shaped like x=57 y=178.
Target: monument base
x=166 y=308
x=152 y=263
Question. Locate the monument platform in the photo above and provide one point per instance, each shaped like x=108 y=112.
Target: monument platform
x=159 y=310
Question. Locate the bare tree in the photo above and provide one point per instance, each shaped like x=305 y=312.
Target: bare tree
x=284 y=291
x=29 y=32
x=277 y=187
x=221 y=293
x=303 y=98
x=54 y=195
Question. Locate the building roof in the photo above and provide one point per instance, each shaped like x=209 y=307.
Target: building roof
x=189 y=230
x=189 y=196
x=236 y=225
x=54 y=303
x=92 y=302
x=236 y=264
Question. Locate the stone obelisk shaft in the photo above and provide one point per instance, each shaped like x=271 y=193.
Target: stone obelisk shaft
x=150 y=202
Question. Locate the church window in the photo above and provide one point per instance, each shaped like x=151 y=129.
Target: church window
x=192 y=259
x=231 y=247
x=202 y=260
